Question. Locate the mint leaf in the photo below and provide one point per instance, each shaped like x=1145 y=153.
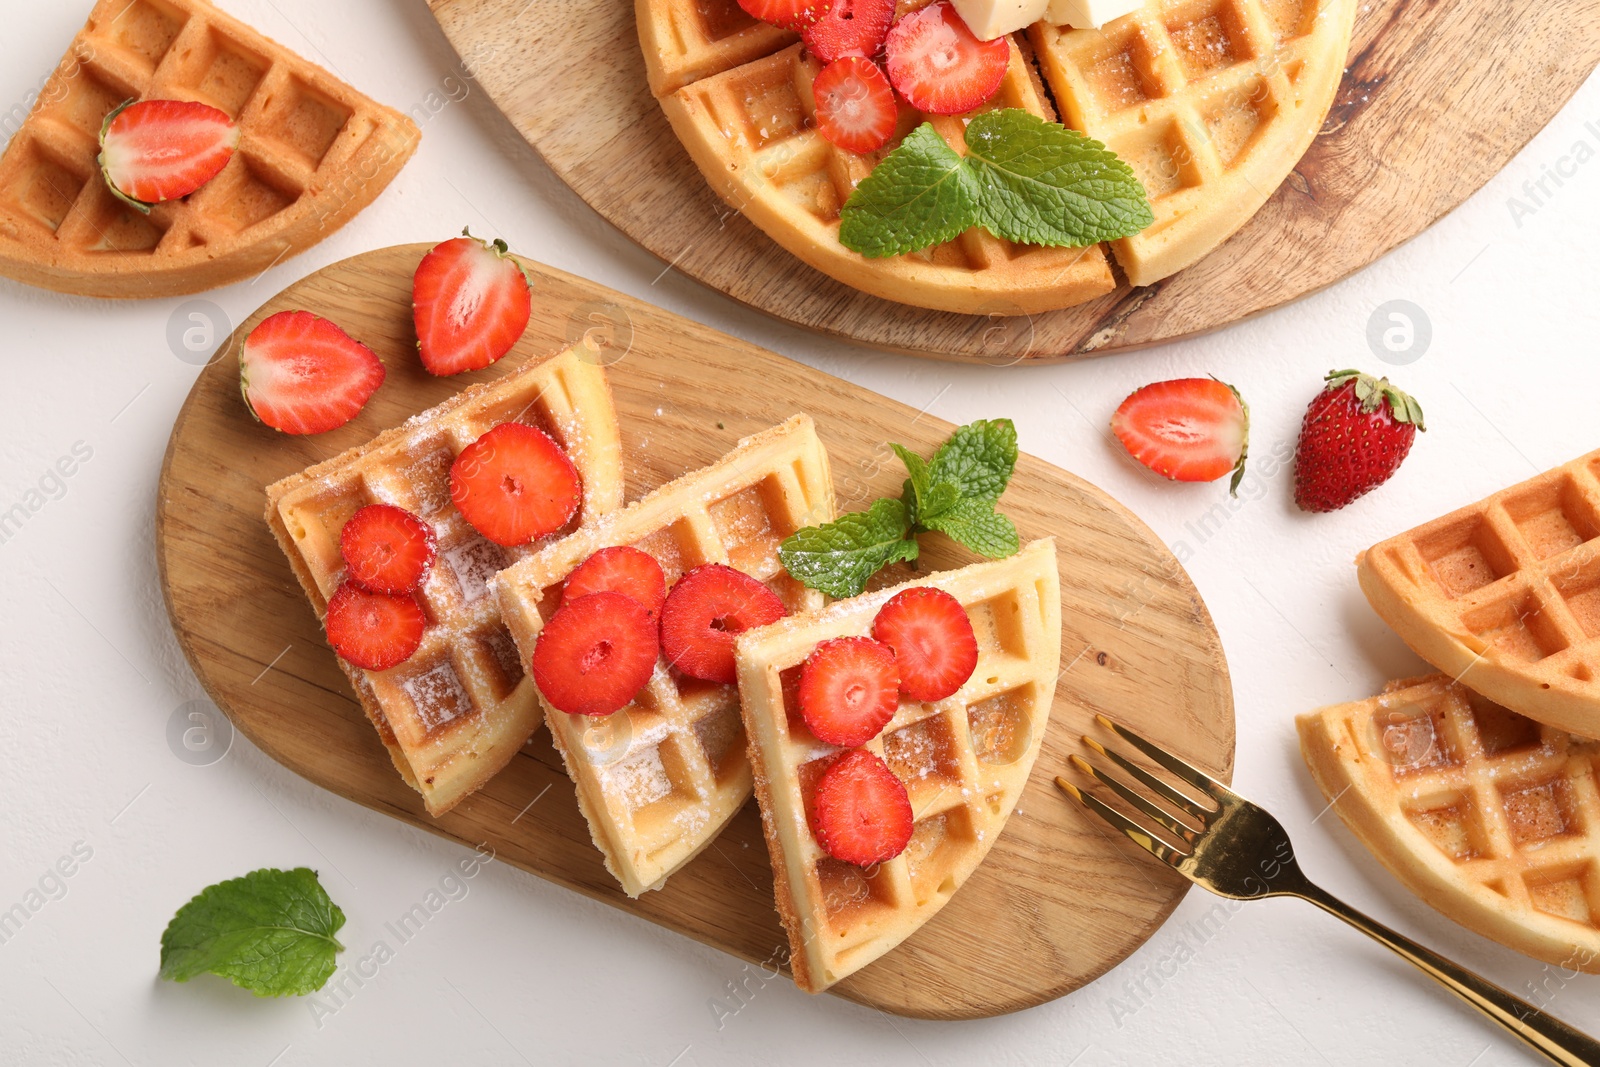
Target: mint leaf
x=921 y=194
x=1045 y=184
x=270 y=931
x=916 y=486
x=840 y=556
x=977 y=525
x=978 y=460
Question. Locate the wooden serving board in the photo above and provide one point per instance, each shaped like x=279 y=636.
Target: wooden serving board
x=1058 y=901
x=1437 y=99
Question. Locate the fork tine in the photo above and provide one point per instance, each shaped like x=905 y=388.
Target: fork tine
x=1165 y=818
x=1182 y=768
x=1129 y=829
x=1184 y=803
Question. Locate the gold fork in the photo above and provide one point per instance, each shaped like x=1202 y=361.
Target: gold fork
x=1236 y=849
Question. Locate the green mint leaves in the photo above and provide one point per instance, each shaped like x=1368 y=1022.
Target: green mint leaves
x=1023 y=179
x=270 y=932
x=954 y=494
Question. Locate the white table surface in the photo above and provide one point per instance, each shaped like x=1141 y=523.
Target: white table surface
x=521 y=971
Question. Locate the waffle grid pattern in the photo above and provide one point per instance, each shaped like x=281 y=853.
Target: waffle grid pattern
x=458 y=710
x=684 y=42
x=658 y=779
x=964 y=761
x=312 y=153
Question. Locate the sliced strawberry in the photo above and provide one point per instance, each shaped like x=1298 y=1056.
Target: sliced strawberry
x=387 y=549
x=850 y=28
x=374 y=630
x=1190 y=430
x=932 y=639
x=706 y=610
x=939 y=66
x=153 y=151
x=789 y=14
x=849 y=690
x=856 y=109
x=622 y=570
x=595 y=654
x=861 y=810
x=514 y=484
x=302 y=374
x=471 y=302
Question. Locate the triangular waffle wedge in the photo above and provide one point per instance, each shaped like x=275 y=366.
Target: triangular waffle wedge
x=313 y=152
x=964 y=761
x=747 y=122
x=658 y=780
x=1212 y=102
x=1504 y=595
x=1485 y=815
x=457 y=711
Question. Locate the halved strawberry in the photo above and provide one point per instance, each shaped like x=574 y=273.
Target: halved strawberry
x=374 y=630
x=302 y=374
x=856 y=109
x=850 y=28
x=705 y=611
x=386 y=549
x=939 y=66
x=152 y=151
x=471 y=302
x=932 y=639
x=514 y=484
x=861 y=811
x=849 y=690
x=595 y=654
x=1189 y=430
x=789 y=14
x=622 y=570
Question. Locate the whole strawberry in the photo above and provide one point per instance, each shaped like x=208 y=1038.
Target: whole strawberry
x=1356 y=434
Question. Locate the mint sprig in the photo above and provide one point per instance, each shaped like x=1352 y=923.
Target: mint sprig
x=271 y=932
x=954 y=494
x=1022 y=179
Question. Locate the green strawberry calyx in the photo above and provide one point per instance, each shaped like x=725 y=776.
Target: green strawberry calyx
x=1372 y=393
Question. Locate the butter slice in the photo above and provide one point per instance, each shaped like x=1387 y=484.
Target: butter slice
x=988 y=19
x=1087 y=14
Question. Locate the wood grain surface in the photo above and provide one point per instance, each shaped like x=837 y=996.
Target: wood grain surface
x=1437 y=97
x=1058 y=901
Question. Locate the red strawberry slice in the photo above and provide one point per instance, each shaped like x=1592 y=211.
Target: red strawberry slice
x=856 y=109
x=706 y=610
x=595 y=654
x=850 y=28
x=1356 y=434
x=939 y=66
x=861 y=811
x=374 y=630
x=849 y=690
x=1190 y=430
x=302 y=374
x=387 y=549
x=471 y=302
x=932 y=639
x=624 y=570
x=153 y=151
x=789 y=14
x=514 y=484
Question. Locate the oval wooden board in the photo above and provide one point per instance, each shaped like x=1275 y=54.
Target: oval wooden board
x=1058 y=901
x=1437 y=98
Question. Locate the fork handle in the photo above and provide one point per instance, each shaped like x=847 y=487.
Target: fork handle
x=1558 y=1041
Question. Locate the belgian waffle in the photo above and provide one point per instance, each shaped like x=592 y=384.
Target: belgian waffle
x=747 y=122
x=1504 y=595
x=964 y=761
x=658 y=780
x=312 y=153
x=457 y=711
x=1212 y=102
x=1485 y=815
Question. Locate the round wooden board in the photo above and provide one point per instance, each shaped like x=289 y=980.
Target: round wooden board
x=1436 y=99
x=1057 y=902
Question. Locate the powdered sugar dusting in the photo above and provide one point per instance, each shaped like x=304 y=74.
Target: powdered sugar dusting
x=474 y=564
x=438 y=695
x=641 y=780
